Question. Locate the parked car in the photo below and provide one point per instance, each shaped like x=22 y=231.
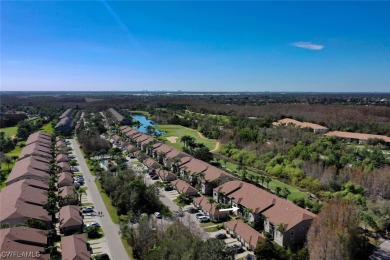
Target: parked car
x=87 y=210
x=220 y=236
x=74 y=168
x=192 y=210
x=157 y=214
x=249 y=257
x=103 y=256
x=236 y=248
x=199 y=215
x=204 y=219
x=93 y=224
x=155 y=177
x=168 y=188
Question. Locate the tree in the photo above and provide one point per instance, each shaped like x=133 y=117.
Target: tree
x=277 y=190
x=335 y=233
x=92 y=231
x=266 y=250
x=267 y=181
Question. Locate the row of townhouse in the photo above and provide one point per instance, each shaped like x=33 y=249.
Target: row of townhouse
x=65 y=124
x=117 y=117
x=26 y=198
x=282 y=219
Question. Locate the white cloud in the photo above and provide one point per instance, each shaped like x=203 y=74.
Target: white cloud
x=308 y=45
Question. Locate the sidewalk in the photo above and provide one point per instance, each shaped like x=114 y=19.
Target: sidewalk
x=110 y=229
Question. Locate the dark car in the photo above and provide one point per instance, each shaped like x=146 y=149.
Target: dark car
x=168 y=188
x=103 y=256
x=192 y=210
x=220 y=236
x=87 y=210
x=155 y=177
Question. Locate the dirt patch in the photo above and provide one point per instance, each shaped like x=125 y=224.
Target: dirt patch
x=172 y=139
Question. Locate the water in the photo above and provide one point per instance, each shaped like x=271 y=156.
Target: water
x=144 y=123
x=104 y=163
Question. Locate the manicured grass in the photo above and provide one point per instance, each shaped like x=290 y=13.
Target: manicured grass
x=86 y=204
x=48 y=128
x=211 y=229
x=179 y=131
x=9 y=131
x=141 y=112
x=178 y=203
x=15 y=152
x=110 y=208
x=295 y=193
x=207 y=224
x=128 y=248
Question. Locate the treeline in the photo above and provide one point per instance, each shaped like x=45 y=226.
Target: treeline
x=152 y=241
x=129 y=194
x=6 y=143
x=91 y=142
x=8 y=120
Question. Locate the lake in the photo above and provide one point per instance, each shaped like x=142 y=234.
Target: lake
x=144 y=123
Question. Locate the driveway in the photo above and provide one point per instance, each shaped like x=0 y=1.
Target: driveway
x=110 y=229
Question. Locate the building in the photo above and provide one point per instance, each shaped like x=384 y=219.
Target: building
x=65 y=179
x=210 y=209
x=118 y=118
x=70 y=219
x=67 y=196
x=23 y=241
x=315 y=127
x=39 y=137
x=150 y=163
x=36 y=149
x=64 y=126
x=358 y=137
x=166 y=175
x=184 y=187
x=283 y=220
x=248 y=236
x=75 y=247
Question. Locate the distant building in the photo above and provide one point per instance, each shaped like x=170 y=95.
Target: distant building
x=65 y=126
x=118 y=117
x=315 y=127
x=358 y=137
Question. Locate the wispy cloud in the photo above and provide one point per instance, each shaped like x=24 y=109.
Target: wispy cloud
x=308 y=45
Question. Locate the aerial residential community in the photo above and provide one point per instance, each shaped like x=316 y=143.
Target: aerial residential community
x=194 y=130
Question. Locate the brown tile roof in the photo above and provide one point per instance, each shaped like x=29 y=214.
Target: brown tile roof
x=163 y=148
x=22 y=191
x=35 y=184
x=193 y=166
x=75 y=247
x=67 y=113
x=248 y=234
x=67 y=191
x=132 y=132
x=155 y=145
x=39 y=137
x=149 y=162
x=287 y=213
x=131 y=148
x=29 y=166
x=64 y=166
x=164 y=174
x=124 y=129
x=175 y=153
x=60 y=144
x=70 y=216
x=213 y=173
x=65 y=179
x=141 y=138
x=36 y=149
x=118 y=117
x=20 y=240
x=115 y=137
x=183 y=187
x=147 y=141
x=287 y=121
x=358 y=136
x=16 y=203
x=206 y=206
x=62 y=157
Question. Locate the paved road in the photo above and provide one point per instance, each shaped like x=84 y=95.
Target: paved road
x=110 y=229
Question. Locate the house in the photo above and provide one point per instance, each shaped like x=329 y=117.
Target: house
x=32 y=167
x=131 y=149
x=184 y=187
x=67 y=113
x=70 y=219
x=150 y=163
x=248 y=236
x=24 y=200
x=75 y=247
x=358 y=137
x=62 y=157
x=118 y=118
x=142 y=138
x=68 y=196
x=23 y=241
x=65 y=179
x=212 y=178
x=159 y=150
x=287 y=223
x=36 y=149
x=283 y=220
x=39 y=137
x=210 y=209
x=124 y=129
x=64 y=126
x=131 y=133
x=166 y=175
x=172 y=158
x=315 y=127
x=65 y=166
x=60 y=144
x=144 y=145
x=115 y=139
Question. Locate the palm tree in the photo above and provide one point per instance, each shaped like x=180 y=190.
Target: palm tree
x=211 y=200
x=280 y=228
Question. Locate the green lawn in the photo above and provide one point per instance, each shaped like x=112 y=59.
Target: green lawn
x=111 y=209
x=128 y=248
x=9 y=131
x=15 y=152
x=140 y=112
x=48 y=128
x=179 y=131
x=295 y=193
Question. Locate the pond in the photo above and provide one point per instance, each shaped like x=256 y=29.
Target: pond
x=144 y=123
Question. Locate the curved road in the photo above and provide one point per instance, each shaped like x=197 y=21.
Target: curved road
x=110 y=229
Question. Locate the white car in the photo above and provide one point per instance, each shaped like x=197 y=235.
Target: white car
x=157 y=214
x=93 y=224
x=204 y=219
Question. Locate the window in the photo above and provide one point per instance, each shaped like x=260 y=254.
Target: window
x=292 y=233
x=301 y=229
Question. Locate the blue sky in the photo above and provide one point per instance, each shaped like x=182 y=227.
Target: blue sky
x=195 y=46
